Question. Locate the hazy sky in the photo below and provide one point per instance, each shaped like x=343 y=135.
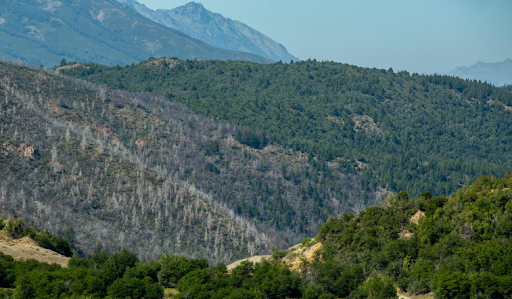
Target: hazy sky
x=420 y=36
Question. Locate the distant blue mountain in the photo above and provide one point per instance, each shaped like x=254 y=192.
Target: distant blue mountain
x=198 y=22
x=102 y=31
x=499 y=73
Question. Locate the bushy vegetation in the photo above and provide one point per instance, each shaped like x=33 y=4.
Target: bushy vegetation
x=121 y=275
x=461 y=247
x=16 y=228
x=456 y=247
x=402 y=131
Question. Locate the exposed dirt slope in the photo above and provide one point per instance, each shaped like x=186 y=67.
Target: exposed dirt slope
x=300 y=253
x=294 y=258
x=254 y=259
x=403 y=295
x=26 y=248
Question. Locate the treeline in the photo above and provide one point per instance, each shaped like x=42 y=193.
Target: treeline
x=118 y=276
x=122 y=275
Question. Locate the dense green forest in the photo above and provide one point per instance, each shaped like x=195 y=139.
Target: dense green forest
x=401 y=131
x=508 y=87
x=456 y=247
x=460 y=247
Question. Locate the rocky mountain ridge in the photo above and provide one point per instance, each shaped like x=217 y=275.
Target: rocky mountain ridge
x=196 y=21
x=46 y=31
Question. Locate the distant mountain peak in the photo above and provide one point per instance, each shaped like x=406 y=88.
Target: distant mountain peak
x=103 y=31
x=497 y=73
x=212 y=28
x=191 y=9
x=194 y=4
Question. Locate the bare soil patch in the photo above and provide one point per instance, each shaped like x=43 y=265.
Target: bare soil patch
x=26 y=249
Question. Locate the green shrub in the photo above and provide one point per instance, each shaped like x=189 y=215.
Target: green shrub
x=14 y=227
x=452 y=285
x=49 y=241
x=241 y=294
x=375 y=288
x=127 y=288
x=116 y=266
x=143 y=270
x=176 y=267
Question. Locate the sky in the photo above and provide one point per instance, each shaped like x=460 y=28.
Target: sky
x=427 y=36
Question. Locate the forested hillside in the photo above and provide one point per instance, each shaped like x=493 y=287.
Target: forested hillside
x=141 y=172
x=401 y=131
x=456 y=247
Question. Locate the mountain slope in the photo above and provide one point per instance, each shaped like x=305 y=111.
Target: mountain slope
x=499 y=73
x=458 y=246
x=144 y=173
x=400 y=131
x=46 y=31
x=433 y=247
x=196 y=21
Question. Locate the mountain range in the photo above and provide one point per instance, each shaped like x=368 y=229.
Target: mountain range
x=44 y=32
x=498 y=73
x=196 y=21
x=259 y=157
x=163 y=145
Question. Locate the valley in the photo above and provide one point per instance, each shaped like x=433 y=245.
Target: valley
x=142 y=166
